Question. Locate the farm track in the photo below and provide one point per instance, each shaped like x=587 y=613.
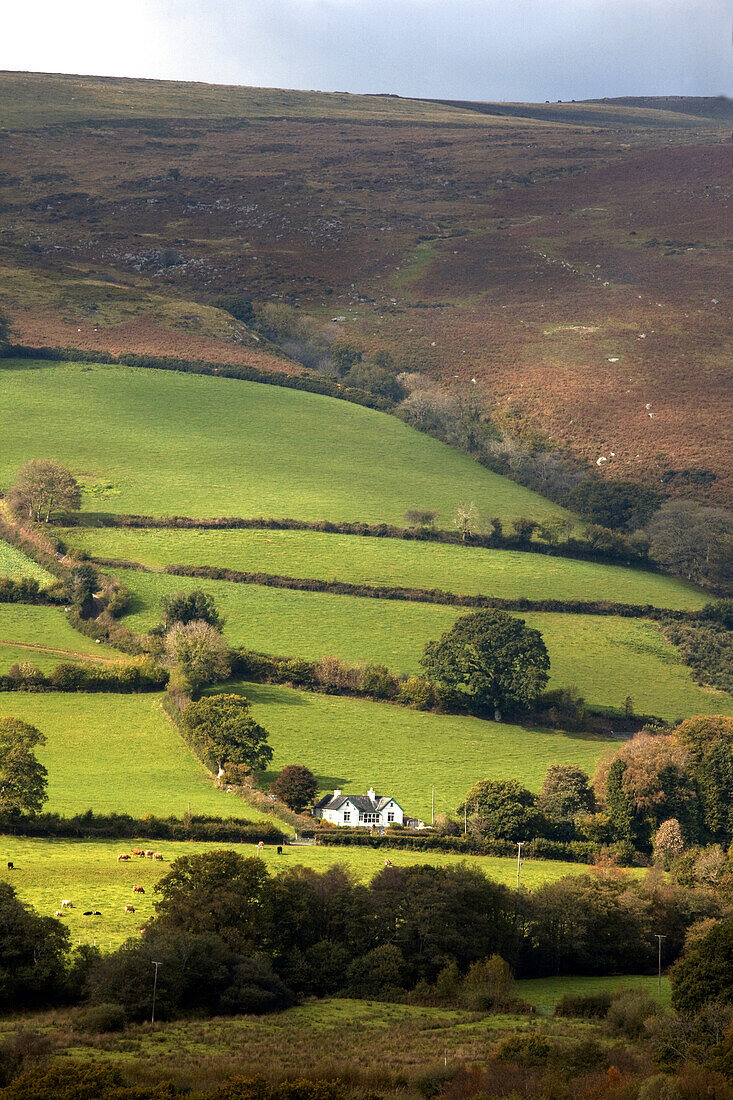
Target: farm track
x=63 y=652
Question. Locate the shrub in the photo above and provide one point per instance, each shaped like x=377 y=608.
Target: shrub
x=530 y=1050
x=100 y=1018
x=629 y=1011
x=586 y=1006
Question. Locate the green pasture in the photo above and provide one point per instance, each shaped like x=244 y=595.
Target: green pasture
x=607 y=657
x=363 y=560
x=16 y=565
x=355 y=743
x=159 y=442
x=546 y=992
x=87 y=872
x=42 y=636
x=118 y=753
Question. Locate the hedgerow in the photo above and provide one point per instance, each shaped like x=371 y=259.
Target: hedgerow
x=94 y=826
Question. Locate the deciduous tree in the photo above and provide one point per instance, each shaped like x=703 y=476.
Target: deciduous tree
x=42 y=488
x=296 y=785
x=188 y=607
x=198 y=654
x=225 y=732
x=23 y=779
x=494 y=659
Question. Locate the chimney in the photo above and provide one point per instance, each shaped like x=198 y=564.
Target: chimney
x=337 y=794
x=371 y=793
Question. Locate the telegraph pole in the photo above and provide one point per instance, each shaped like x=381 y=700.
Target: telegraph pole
x=155 y=987
x=432 y=812
x=519 y=859
x=659 y=971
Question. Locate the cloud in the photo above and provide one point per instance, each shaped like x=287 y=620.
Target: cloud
x=471 y=49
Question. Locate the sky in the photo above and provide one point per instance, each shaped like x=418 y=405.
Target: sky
x=528 y=50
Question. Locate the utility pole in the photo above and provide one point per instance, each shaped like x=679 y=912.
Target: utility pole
x=155 y=988
x=659 y=972
x=519 y=859
x=432 y=812
x=465 y=818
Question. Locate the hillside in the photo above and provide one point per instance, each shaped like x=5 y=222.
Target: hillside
x=571 y=258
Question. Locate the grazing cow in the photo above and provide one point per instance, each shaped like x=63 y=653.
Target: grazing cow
x=66 y=904
x=388 y=863
x=138 y=889
x=10 y=867
x=96 y=913
x=138 y=852
x=149 y=853
x=157 y=855
x=279 y=849
x=89 y=913
x=59 y=913
x=122 y=857
x=129 y=908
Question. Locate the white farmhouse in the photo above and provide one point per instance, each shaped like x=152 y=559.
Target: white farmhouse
x=370 y=810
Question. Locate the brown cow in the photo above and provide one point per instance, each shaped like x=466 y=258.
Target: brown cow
x=129 y=908
x=157 y=855
x=123 y=856
x=59 y=913
x=138 y=852
x=149 y=853
x=138 y=889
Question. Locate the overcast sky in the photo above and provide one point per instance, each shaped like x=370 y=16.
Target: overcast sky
x=459 y=49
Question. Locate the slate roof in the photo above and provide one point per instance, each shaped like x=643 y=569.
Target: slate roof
x=362 y=802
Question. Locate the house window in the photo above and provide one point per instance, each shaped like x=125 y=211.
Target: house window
x=370 y=819
x=347 y=817
x=390 y=817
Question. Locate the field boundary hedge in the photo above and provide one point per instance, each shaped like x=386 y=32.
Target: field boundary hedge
x=90 y=826
x=413 y=595
x=572 y=851
x=70 y=676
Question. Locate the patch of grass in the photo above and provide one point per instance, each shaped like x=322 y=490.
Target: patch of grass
x=194 y=445
x=88 y=873
x=548 y=991
x=355 y=743
x=460 y=569
x=118 y=753
x=43 y=637
x=607 y=657
x=16 y=565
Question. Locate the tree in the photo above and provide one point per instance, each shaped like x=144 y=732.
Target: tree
x=555 y=528
x=524 y=528
x=566 y=793
x=705 y=971
x=23 y=779
x=80 y=587
x=492 y=658
x=198 y=653
x=655 y=781
x=220 y=893
x=188 y=607
x=225 y=733
x=502 y=808
x=239 y=305
x=714 y=779
x=693 y=541
x=296 y=785
x=618 y=804
x=32 y=951
x=42 y=488
x=622 y=505
x=466 y=519
x=668 y=842
x=699 y=733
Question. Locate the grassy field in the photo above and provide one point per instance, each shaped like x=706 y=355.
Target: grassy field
x=193 y=445
x=607 y=657
x=461 y=569
x=43 y=637
x=546 y=992
x=355 y=743
x=118 y=753
x=15 y=565
x=88 y=873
